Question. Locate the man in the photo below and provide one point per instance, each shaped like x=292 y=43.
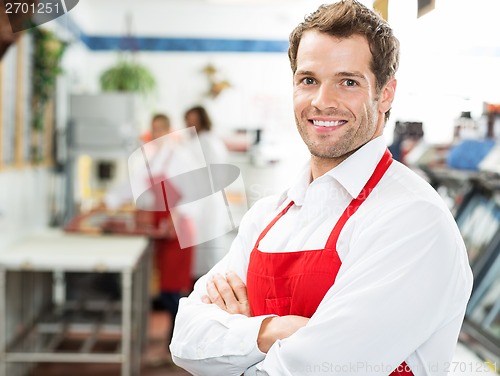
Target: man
x=358 y=268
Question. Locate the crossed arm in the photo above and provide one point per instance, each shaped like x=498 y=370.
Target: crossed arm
x=230 y=295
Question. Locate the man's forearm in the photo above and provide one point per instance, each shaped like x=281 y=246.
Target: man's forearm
x=230 y=295
x=209 y=341
x=278 y=327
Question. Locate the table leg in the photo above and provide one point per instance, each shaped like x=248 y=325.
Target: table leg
x=138 y=318
x=147 y=266
x=3 y=323
x=126 y=322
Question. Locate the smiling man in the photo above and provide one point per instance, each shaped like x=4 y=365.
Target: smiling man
x=358 y=268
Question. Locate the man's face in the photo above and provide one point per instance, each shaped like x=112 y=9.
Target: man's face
x=336 y=105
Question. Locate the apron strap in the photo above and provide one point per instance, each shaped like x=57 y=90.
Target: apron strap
x=263 y=233
x=380 y=170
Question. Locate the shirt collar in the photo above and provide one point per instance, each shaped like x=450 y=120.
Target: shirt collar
x=298 y=190
x=352 y=173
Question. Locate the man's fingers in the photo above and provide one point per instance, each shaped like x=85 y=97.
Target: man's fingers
x=227 y=293
x=214 y=295
x=239 y=288
x=240 y=291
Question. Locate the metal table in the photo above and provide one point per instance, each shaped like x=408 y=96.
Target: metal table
x=34 y=322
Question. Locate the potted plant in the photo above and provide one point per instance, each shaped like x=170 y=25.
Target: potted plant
x=47 y=55
x=128 y=76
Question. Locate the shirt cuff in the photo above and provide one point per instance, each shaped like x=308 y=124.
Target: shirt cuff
x=252 y=371
x=242 y=338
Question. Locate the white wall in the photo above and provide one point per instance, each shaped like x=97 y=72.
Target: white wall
x=24 y=202
x=449 y=62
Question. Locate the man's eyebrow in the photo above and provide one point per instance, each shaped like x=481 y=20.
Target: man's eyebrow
x=304 y=73
x=349 y=74
x=352 y=74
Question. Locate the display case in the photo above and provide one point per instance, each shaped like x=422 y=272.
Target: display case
x=473 y=197
x=481 y=328
x=479 y=221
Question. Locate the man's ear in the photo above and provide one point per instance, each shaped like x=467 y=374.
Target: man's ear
x=387 y=95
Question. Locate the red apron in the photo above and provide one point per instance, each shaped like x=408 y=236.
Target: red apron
x=173 y=263
x=294 y=283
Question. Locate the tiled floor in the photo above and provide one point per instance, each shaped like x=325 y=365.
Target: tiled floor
x=154 y=360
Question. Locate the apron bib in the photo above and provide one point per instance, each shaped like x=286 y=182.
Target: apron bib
x=294 y=283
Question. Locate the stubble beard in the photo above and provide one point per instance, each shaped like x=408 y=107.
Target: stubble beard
x=323 y=148
x=350 y=141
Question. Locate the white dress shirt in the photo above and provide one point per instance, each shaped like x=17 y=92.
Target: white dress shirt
x=400 y=294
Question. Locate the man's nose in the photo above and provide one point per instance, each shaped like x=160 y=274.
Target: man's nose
x=326 y=96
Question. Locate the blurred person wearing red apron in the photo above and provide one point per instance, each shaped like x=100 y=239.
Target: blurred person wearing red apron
x=172 y=263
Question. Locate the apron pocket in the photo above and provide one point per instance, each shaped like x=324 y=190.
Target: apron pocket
x=278 y=306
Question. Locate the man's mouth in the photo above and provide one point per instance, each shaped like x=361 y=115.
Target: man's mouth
x=328 y=123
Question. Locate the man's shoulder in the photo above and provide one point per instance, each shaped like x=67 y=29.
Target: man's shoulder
x=267 y=204
x=405 y=197
x=262 y=210
x=402 y=183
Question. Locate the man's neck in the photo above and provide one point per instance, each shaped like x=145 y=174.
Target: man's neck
x=320 y=166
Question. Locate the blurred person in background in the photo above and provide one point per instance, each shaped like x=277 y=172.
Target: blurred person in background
x=165 y=157
x=211 y=221
x=173 y=264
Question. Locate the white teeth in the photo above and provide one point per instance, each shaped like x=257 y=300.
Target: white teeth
x=321 y=123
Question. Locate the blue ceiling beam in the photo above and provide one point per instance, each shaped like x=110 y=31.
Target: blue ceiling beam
x=170 y=44
x=166 y=44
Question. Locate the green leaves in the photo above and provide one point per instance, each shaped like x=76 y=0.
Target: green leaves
x=48 y=52
x=128 y=76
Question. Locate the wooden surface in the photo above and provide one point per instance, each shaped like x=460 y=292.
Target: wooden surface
x=126 y=222
x=1 y=112
x=19 y=103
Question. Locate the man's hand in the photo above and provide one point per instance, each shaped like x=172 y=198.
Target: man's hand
x=229 y=294
x=279 y=327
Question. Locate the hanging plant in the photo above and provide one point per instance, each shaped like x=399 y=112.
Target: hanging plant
x=48 y=52
x=128 y=76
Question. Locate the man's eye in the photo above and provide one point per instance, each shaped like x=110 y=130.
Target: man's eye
x=350 y=83
x=309 y=81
